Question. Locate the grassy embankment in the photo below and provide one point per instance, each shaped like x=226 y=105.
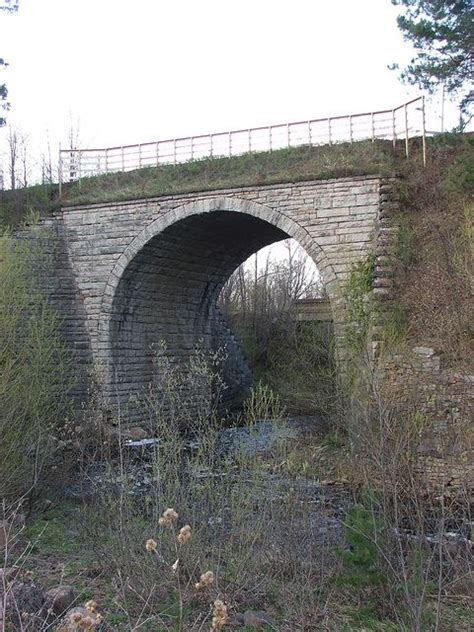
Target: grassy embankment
x=295 y=164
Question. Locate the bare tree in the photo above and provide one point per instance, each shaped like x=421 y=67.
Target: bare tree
x=13 y=153
x=24 y=157
x=47 y=163
x=18 y=158
x=270 y=289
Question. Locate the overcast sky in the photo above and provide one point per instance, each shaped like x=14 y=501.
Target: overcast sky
x=143 y=70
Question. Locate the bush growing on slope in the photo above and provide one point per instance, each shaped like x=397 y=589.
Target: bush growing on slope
x=33 y=386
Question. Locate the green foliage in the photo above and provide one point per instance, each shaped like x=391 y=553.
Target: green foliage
x=366 y=618
x=15 y=206
x=442 y=35
x=458 y=178
x=395 y=326
x=262 y=403
x=9 y=7
x=358 y=305
x=51 y=533
x=33 y=384
x=297 y=361
x=363 y=530
x=4 y=105
x=334 y=440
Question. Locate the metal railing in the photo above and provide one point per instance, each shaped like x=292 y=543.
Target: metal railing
x=397 y=124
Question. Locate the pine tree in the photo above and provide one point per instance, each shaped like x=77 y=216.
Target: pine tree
x=4 y=105
x=442 y=33
x=8 y=6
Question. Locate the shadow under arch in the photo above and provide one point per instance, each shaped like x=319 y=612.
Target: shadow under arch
x=166 y=283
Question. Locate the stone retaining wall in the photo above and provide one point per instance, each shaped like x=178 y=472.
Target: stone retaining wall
x=445 y=400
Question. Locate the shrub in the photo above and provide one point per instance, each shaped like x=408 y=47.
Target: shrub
x=33 y=388
x=362 y=564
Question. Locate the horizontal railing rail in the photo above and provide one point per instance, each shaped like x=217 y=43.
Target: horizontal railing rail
x=397 y=124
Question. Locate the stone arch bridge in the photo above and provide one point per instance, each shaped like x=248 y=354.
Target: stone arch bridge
x=132 y=274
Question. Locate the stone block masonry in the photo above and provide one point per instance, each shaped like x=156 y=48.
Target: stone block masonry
x=134 y=274
x=445 y=399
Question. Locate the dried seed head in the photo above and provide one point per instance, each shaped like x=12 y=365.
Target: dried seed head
x=184 y=534
x=151 y=545
x=219 y=615
x=91 y=605
x=205 y=580
x=168 y=518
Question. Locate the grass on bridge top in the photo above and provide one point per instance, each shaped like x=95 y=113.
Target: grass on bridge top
x=285 y=165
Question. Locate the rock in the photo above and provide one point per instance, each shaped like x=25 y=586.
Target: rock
x=257 y=619
x=59 y=599
x=252 y=618
x=78 y=619
x=235 y=621
x=22 y=600
x=424 y=351
x=135 y=433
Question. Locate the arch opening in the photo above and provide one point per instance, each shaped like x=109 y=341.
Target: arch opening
x=278 y=309
x=164 y=304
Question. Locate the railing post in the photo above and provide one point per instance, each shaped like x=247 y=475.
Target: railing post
x=174 y=151
x=329 y=131
x=394 y=139
x=250 y=140
x=72 y=169
x=270 y=137
x=288 y=133
x=106 y=157
x=372 y=122
x=423 y=129
x=157 y=153
x=230 y=144
x=407 y=148
x=350 y=128
x=212 y=148
x=309 y=134
x=192 y=147
x=123 y=159
x=139 y=156
x=60 y=173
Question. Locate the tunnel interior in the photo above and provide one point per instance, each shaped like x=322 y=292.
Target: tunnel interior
x=165 y=305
